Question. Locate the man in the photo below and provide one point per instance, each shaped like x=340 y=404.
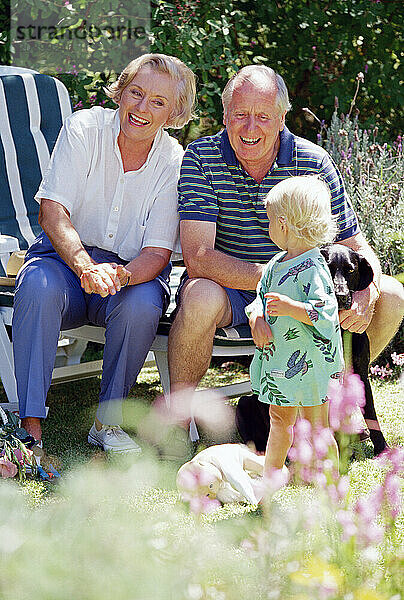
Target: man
x=224 y=226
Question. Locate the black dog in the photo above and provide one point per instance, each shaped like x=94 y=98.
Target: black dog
x=350 y=272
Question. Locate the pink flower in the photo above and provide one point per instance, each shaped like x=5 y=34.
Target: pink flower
x=393 y=457
x=382 y=372
x=7 y=468
x=208 y=408
x=398 y=359
x=271 y=483
x=344 y=401
x=338 y=492
x=368 y=507
x=301 y=452
x=322 y=441
x=203 y=505
x=372 y=534
x=345 y=519
x=392 y=488
x=303 y=428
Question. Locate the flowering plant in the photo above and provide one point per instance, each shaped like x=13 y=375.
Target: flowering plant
x=16 y=458
x=388 y=371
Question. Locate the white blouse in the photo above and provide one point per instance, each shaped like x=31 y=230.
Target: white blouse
x=110 y=209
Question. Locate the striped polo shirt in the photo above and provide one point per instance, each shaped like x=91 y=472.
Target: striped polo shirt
x=214 y=187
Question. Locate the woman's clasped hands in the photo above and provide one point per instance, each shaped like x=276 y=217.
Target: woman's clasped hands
x=104 y=278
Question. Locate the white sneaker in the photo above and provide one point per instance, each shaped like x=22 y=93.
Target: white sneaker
x=113 y=439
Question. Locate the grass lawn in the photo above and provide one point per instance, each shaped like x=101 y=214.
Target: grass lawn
x=117 y=528
x=72 y=408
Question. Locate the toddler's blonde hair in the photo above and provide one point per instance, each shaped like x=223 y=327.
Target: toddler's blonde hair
x=305 y=203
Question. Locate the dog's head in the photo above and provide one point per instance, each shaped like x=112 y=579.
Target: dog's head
x=349 y=270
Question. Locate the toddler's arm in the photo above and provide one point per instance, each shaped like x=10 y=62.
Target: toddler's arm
x=260 y=330
x=279 y=305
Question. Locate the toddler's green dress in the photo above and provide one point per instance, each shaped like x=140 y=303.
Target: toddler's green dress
x=296 y=367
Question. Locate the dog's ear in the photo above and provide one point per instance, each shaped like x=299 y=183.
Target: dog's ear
x=325 y=251
x=365 y=273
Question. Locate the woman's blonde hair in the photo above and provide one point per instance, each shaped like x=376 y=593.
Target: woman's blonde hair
x=305 y=203
x=169 y=65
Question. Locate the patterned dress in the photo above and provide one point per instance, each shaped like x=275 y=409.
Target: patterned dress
x=296 y=366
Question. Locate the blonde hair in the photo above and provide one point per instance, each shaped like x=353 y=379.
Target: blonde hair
x=259 y=75
x=305 y=203
x=170 y=65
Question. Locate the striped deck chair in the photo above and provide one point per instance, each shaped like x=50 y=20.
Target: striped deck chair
x=32 y=110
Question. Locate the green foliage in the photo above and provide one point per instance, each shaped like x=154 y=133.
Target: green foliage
x=87 y=90
x=83 y=34
x=372 y=172
x=204 y=36
x=318 y=47
x=4 y=32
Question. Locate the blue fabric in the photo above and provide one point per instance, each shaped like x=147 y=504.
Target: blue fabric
x=239 y=299
x=8 y=222
x=51 y=116
x=49 y=298
x=26 y=173
x=27 y=157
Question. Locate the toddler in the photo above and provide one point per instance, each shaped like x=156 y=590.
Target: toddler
x=294 y=319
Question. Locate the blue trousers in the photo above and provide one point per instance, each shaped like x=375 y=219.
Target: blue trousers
x=49 y=298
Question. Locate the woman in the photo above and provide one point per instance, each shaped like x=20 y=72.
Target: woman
x=108 y=208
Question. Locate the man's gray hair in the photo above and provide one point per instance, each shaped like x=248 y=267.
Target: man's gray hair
x=259 y=75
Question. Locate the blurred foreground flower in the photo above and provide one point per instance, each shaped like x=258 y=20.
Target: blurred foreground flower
x=193 y=483
x=394 y=459
x=207 y=407
x=344 y=402
x=7 y=468
x=266 y=487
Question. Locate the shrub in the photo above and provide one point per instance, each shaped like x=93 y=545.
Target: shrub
x=372 y=173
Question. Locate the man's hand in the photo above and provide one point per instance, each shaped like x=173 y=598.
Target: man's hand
x=261 y=331
x=357 y=318
x=103 y=278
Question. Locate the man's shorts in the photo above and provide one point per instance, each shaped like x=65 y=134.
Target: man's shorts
x=239 y=299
